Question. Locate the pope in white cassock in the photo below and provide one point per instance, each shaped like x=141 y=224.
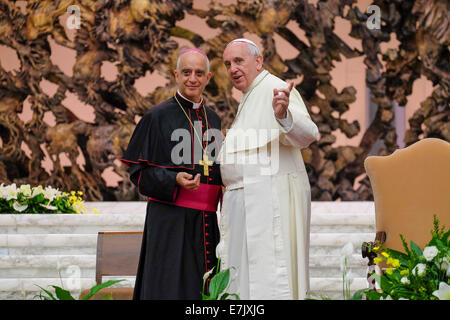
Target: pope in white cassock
x=265 y=215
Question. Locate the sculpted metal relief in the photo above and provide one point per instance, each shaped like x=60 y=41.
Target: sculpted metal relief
x=137 y=36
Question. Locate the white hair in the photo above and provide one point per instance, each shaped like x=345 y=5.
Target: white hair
x=183 y=52
x=252 y=47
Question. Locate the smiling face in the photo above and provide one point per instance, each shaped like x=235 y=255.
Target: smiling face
x=192 y=76
x=242 y=66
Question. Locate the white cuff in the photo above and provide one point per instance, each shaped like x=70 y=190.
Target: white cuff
x=286 y=123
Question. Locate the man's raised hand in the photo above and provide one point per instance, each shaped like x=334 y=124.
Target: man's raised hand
x=280 y=101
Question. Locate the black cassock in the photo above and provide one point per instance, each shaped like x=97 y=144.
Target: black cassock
x=179 y=242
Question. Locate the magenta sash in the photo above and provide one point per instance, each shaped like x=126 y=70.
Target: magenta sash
x=205 y=198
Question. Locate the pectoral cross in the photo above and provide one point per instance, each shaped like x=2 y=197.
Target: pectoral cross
x=205 y=163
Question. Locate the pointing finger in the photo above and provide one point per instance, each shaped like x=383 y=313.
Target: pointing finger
x=291 y=85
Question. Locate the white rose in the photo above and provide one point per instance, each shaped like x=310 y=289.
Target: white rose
x=404 y=280
x=430 y=252
x=419 y=269
x=443 y=264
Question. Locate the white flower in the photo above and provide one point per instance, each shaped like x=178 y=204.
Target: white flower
x=347 y=250
x=25 y=189
x=10 y=192
x=444 y=291
x=36 y=191
x=404 y=280
x=444 y=265
x=50 y=193
x=388 y=297
x=207 y=274
x=19 y=207
x=49 y=207
x=430 y=252
x=419 y=269
x=219 y=249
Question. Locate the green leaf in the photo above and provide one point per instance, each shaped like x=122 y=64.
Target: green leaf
x=403 y=258
x=226 y=295
x=47 y=292
x=445 y=236
x=219 y=283
x=416 y=249
x=358 y=295
x=373 y=295
x=405 y=246
x=62 y=294
x=100 y=286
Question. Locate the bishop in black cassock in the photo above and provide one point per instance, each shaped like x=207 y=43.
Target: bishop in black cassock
x=181 y=231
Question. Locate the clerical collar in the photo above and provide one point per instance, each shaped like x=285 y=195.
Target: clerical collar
x=195 y=105
x=257 y=80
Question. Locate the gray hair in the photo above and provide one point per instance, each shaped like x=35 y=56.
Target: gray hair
x=252 y=47
x=193 y=50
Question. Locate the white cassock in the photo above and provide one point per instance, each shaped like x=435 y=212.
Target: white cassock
x=265 y=214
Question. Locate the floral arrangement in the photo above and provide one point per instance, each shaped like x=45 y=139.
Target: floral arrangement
x=27 y=199
x=416 y=274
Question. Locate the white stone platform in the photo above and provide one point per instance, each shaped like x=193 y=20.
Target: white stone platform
x=49 y=250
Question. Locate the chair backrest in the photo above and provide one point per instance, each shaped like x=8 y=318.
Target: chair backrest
x=409 y=187
x=117 y=253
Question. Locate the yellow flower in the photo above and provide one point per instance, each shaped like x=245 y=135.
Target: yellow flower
x=376 y=248
x=80 y=193
x=389 y=270
x=395 y=263
x=377 y=260
x=95 y=210
x=404 y=272
x=385 y=254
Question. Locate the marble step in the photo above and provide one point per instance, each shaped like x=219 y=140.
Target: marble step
x=28 y=289
x=35 y=244
x=342 y=222
x=50 y=266
x=92 y=223
x=44 y=244
x=69 y=223
x=327 y=207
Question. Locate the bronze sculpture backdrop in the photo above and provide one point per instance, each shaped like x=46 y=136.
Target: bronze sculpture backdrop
x=135 y=34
